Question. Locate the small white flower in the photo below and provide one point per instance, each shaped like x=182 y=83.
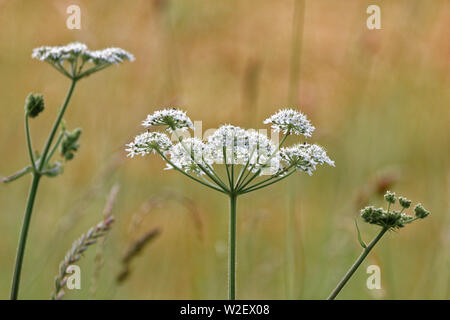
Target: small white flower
x=147 y=143
x=305 y=157
x=172 y=118
x=290 y=121
x=189 y=154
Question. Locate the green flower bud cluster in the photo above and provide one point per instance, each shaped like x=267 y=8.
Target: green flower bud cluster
x=70 y=144
x=392 y=219
x=420 y=211
x=405 y=203
x=34 y=104
x=390 y=197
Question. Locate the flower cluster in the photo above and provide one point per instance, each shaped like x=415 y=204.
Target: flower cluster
x=108 y=55
x=393 y=219
x=59 y=54
x=72 y=51
x=420 y=211
x=234 y=145
x=305 y=157
x=174 y=119
x=191 y=155
x=149 y=142
x=78 y=52
x=290 y=121
x=231 y=145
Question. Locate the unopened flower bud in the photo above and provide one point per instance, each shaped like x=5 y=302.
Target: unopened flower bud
x=34 y=104
x=390 y=197
x=405 y=203
x=371 y=215
x=70 y=144
x=420 y=211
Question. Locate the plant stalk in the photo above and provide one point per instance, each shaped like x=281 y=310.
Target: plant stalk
x=232 y=249
x=29 y=145
x=357 y=263
x=23 y=236
x=56 y=125
x=32 y=195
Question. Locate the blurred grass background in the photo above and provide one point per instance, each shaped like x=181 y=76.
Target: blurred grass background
x=379 y=100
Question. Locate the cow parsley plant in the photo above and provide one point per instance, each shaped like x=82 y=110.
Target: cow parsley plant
x=75 y=61
x=233 y=160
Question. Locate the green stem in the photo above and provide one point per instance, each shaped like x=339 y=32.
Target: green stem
x=18 y=174
x=270 y=178
x=61 y=69
x=357 y=263
x=30 y=148
x=232 y=249
x=55 y=147
x=91 y=71
x=245 y=183
x=23 y=237
x=32 y=196
x=56 y=125
x=283 y=140
x=217 y=180
x=253 y=188
x=188 y=175
x=210 y=168
x=242 y=180
x=241 y=173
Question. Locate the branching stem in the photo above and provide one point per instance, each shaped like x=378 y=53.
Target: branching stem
x=33 y=191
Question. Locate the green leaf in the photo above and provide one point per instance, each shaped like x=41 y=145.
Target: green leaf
x=361 y=242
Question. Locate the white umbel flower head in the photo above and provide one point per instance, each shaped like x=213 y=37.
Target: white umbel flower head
x=59 y=54
x=174 y=119
x=189 y=154
x=147 y=143
x=77 y=54
x=305 y=157
x=290 y=121
x=108 y=55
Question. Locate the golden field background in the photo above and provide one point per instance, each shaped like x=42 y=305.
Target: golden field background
x=379 y=100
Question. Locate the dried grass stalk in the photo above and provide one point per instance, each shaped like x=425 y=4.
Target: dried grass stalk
x=73 y=255
x=99 y=261
x=133 y=251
